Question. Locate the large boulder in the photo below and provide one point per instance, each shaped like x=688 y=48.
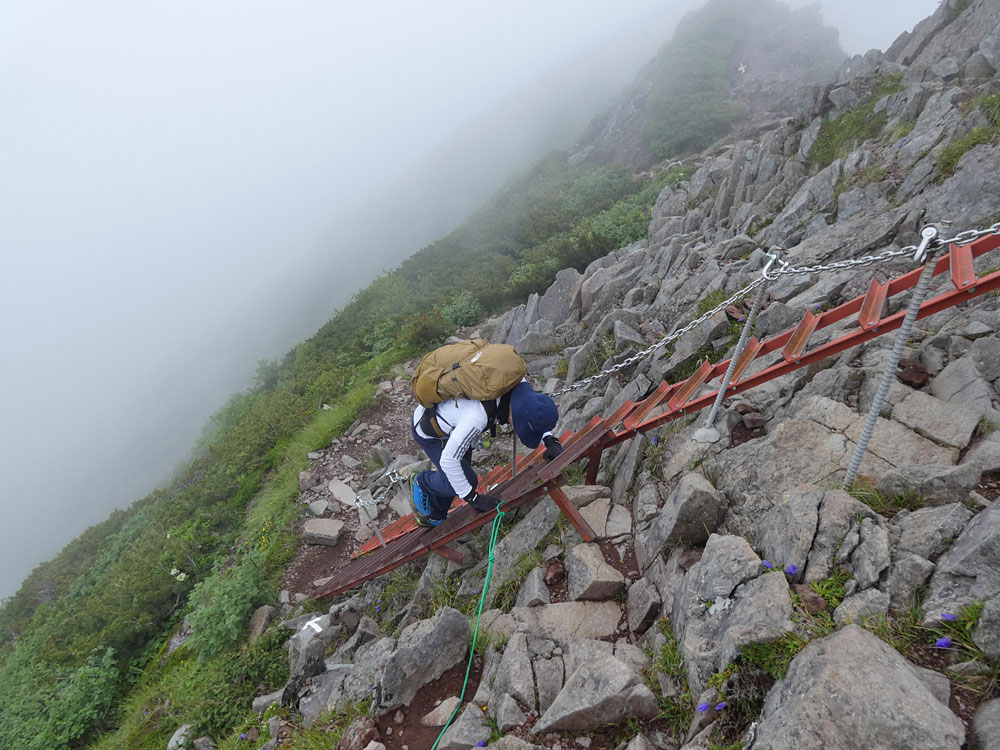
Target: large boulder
x=928 y=532
x=581 y=619
x=851 y=690
x=426 y=650
x=728 y=600
x=986 y=727
x=590 y=575
x=692 y=512
x=969 y=571
x=945 y=423
x=933 y=484
x=599 y=690
x=790 y=527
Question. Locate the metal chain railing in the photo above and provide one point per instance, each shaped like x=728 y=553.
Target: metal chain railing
x=736 y=297
x=772 y=274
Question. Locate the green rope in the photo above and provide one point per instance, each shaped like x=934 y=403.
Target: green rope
x=494 y=534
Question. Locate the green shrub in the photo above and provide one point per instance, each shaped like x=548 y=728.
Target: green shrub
x=947 y=161
x=463 y=309
x=839 y=137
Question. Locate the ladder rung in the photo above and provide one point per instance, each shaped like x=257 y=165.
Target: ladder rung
x=749 y=355
x=452 y=555
x=797 y=343
x=874 y=303
x=692 y=384
x=963 y=274
x=647 y=405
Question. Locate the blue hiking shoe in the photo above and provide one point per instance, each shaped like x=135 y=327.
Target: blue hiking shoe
x=420 y=504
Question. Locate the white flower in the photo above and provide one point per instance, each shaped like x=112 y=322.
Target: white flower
x=174 y=571
x=182 y=576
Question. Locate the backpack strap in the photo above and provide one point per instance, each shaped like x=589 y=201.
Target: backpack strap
x=497 y=413
x=429 y=423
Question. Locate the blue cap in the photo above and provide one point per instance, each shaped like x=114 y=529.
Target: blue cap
x=533 y=414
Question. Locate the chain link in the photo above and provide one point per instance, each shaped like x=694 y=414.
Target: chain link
x=377 y=497
x=745 y=291
x=962 y=238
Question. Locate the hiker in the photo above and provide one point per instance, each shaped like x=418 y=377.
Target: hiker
x=448 y=431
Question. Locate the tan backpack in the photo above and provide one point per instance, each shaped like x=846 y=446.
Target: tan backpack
x=473 y=369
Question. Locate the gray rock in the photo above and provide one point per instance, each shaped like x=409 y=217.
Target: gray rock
x=318 y=507
x=181 y=739
x=626 y=335
x=508 y=714
x=599 y=690
x=986 y=634
x=325 y=691
x=642 y=606
x=514 y=675
x=907 y=574
x=871 y=557
x=881 y=701
x=970 y=570
x=928 y=532
x=986 y=727
x=510 y=742
x=946 y=423
x=440 y=715
x=961 y=382
x=426 y=650
x=985 y=455
x=533 y=591
x=747 y=607
x=469 y=729
x=838 y=516
x=549 y=679
x=590 y=575
x=581 y=619
x=307 y=664
x=777 y=317
x=561 y=297
x=524 y=537
x=261 y=618
x=933 y=484
x=324 y=531
x=205 y=743
x=790 y=527
x=692 y=512
x=856 y=608
x=263 y=702
x=647 y=501
x=343 y=493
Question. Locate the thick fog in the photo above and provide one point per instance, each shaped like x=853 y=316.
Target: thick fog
x=189 y=187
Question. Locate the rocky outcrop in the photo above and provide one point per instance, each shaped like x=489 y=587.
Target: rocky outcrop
x=882 y=701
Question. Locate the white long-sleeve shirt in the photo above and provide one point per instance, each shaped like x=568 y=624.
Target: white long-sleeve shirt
x=462 y=420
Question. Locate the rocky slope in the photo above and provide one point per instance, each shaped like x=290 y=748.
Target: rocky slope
x=736 y=597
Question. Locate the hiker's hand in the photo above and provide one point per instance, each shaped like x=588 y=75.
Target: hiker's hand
x=553 y=448
x=482 y=503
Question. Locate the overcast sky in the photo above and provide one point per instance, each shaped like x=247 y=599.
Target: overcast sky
x=177 y=179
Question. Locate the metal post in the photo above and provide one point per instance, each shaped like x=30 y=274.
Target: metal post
x=708 y=433
x=926 y=254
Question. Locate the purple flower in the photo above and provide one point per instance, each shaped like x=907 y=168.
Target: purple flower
x=481 y=743
x=792 y=569
x=720 y=705
x=702 y=706
x=655 y=440
x=943 y=642
x=243 y=736
x=767 y=565
x=377 y=610
x=949 y=617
